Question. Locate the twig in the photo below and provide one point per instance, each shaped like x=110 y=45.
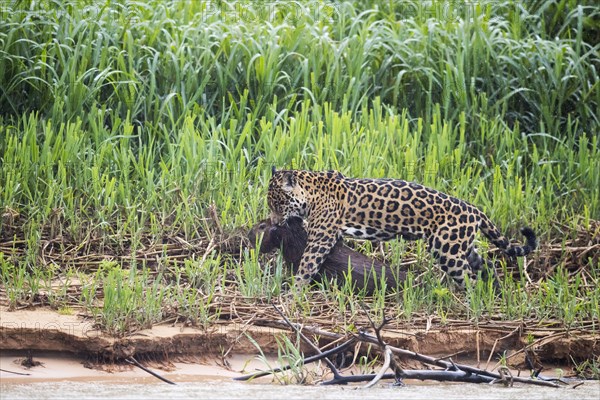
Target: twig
x=449 y=356
x=536 y=343
x=211 y=246
x=477 y=347
x=13 y=372
x=307 y=360
x=496 y=343
x=433 y=375
x=506 y=377
x=454 y=367
x=212 y=209
x=387 y=353
x=428 y=360
x=135 y=362
x=447 y=365
x=389 y=361
x=330 y=364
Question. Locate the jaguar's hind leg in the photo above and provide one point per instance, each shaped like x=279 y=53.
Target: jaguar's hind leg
x=452 y=259
x=479 y=264
x=485 y=266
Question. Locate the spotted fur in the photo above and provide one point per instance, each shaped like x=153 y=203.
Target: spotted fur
x=382 y=209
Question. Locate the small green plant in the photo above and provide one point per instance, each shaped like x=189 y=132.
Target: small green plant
x=57 y=286
x=14 y=282
x=132 y=301
x=194 y=306
x=65 y=310
x=412 y=294
x=378 y=298
x=203 y=276
x=256 y=279
x=588 y=369
x=367 y=363
x=529 y=339
x=481 y=297
x=288 y=355
x=502 y=360
x=89 y=288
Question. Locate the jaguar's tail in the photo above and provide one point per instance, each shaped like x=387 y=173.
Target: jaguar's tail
x=494 y=235
x=531 y=243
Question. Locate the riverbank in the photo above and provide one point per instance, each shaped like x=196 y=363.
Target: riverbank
x=47 y=335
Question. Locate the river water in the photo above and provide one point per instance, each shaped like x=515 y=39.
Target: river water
x=226 y=389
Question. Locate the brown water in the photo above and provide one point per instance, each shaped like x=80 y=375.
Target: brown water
x=222 y=389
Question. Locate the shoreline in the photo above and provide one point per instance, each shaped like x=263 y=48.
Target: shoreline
x=226 y=347
x=59 y=367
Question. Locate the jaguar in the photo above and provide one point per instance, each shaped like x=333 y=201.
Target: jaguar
x=332 y=206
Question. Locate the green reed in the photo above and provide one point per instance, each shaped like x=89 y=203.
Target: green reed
x=122 y=122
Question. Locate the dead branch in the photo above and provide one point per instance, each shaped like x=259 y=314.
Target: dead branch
x=332 y=367
x=389 y=361
x=423 y=375
x=448 y=365
x=13 y=372
x=133 y=361
x=452 y=371
x=517 y=329
x=387 y=357
x=307 y=360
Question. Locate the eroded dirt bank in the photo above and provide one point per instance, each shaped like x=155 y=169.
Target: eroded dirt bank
x=44 y=330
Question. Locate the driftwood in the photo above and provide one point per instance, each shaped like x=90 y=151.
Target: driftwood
x=133 y=361
x=332 y=367
x=13 y=372
x=291 y=238
x=451 y=372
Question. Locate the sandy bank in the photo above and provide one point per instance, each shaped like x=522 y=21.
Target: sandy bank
x=67 y=342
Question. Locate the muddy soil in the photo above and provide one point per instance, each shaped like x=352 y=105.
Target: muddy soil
x=44 y=330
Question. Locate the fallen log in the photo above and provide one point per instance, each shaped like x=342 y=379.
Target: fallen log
x=291 y=238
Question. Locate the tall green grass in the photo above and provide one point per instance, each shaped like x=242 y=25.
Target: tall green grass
x=118 y=186
x=122 y=122
x=157 y=61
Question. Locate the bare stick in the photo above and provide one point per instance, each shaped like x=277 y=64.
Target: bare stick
x=13 y=372
x=444 y=364
x=497 y=341
x=432 y=375
x=505 y=377
x=135 y=362
x=390 y=362
x=386 y=364
x=426 y=359
x=536 y=343
x=332 y=367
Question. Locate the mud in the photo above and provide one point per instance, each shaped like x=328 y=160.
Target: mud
x=43 y=330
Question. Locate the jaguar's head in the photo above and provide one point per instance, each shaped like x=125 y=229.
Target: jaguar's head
x=286 y=197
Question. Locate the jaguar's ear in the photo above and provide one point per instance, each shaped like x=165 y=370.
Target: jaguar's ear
x=289 y=181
